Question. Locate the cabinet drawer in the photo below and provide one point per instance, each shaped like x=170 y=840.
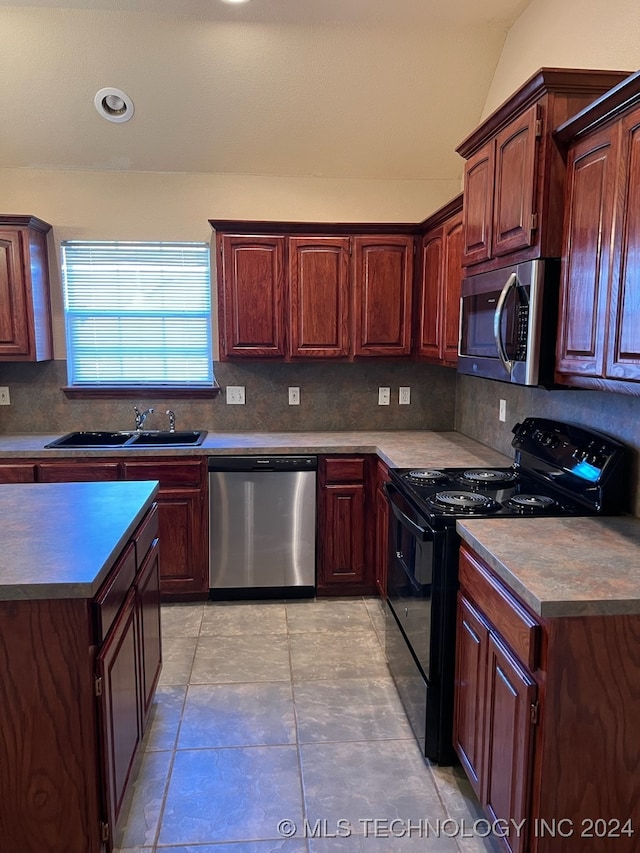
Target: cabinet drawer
x=113 y=592
x=168 y=473
x=509 y=618
x=20 y=472
x=344 y=470
x=145 y=534
x=382 y=474
x=78 y=472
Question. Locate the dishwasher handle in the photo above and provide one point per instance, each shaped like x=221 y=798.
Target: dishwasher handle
x=263 y=463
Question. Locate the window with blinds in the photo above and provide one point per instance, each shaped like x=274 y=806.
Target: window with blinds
x=137 y=314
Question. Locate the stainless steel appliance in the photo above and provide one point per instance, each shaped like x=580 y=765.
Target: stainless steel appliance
x=262 y=516
x=558 y=469
x=508 y=323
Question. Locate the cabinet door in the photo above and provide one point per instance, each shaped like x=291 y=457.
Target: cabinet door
x=382 y=292
x=251 y=294
x=451 y=285
x=182 y=523
x=78 y=472
x=382 y=533
x=14 y=327
x=430 y=296
x=586 y=261
x=623 y=354
x=478 y=204
x=514 y=196
x=342 y=534
x=319 y=296
x=509 y=707
x=472 y=638
x=149 y=642
x=25 y=308
x=116 y=667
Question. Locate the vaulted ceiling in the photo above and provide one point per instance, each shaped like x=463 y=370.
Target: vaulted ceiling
x=337 y=88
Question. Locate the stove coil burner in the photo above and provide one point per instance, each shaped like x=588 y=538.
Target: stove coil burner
x=531 y=503
x=466 y=502
x=487 y=476
x=426 y=475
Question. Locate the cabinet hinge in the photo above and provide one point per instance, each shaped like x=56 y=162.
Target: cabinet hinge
x=538 y=128
x=534 y=714
x=104 y=831
x=534 y=221
x=98 y=685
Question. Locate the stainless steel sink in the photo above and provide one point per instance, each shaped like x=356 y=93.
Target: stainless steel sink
x=128 y=438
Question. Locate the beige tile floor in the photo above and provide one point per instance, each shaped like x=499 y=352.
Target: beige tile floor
x=285 y=711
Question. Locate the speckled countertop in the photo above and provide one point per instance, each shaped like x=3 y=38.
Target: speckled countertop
x=563 y=566
x=399 y=449
x=59 y=540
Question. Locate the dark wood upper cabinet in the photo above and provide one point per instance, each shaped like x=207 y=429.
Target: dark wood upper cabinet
x=586 y=267
x=251 y=298
x=514 y=174
x=383 y=277
x=319 y=315
x=599 y=334
x=439 y=287
x=303 y=290
x=25 y=309
x=514 y=213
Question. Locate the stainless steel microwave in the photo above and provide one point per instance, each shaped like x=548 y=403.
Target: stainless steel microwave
x=508 y=323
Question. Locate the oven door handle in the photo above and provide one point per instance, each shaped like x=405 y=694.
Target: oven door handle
x=420 y=533
x=511 y=282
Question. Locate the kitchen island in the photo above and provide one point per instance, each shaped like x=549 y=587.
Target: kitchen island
x=548 y=679
x=79 y=657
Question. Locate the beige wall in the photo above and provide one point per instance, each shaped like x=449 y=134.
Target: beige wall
x=567 y=33
x=170 y=206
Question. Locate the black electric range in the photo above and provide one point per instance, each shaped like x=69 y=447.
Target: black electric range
x=559 y=469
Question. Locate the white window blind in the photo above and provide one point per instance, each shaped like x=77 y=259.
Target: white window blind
x=138 y=313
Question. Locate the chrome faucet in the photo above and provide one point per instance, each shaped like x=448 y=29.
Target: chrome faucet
x=172 y=420
x=141 y=417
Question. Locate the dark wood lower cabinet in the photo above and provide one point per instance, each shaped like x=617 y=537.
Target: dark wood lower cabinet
x=118 y=710
x=382 y=530
x=78 y=677
x=182 y=505
x=544 y=719
x=345 y=526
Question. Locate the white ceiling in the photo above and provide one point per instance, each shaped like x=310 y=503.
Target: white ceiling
x=335 y=88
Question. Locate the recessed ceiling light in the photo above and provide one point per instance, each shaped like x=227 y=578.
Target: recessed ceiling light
x=114 y=104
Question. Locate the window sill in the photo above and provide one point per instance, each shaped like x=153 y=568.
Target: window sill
x=94 y=392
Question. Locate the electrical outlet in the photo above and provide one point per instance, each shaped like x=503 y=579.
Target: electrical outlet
x=502 y=414
x=5 y=400
x=235 y=395
x=404 y=395
x=294 y=396
x=384 y=396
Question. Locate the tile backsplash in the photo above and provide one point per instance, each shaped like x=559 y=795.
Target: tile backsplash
x=332 y=397
x=617 y=415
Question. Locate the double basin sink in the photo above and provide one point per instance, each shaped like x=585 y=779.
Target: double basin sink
x=129 y=439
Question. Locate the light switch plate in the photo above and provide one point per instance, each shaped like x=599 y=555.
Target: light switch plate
x=294 y=396
x=502 y=413
x=384 y=396
x=235 y=395
x=5 y=400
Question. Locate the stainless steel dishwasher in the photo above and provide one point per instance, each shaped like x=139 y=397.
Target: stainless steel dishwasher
x=262 y=526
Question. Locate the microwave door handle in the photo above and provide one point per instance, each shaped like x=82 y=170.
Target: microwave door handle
x=512 y=281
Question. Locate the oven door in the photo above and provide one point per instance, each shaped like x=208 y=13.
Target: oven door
x=410 y=578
